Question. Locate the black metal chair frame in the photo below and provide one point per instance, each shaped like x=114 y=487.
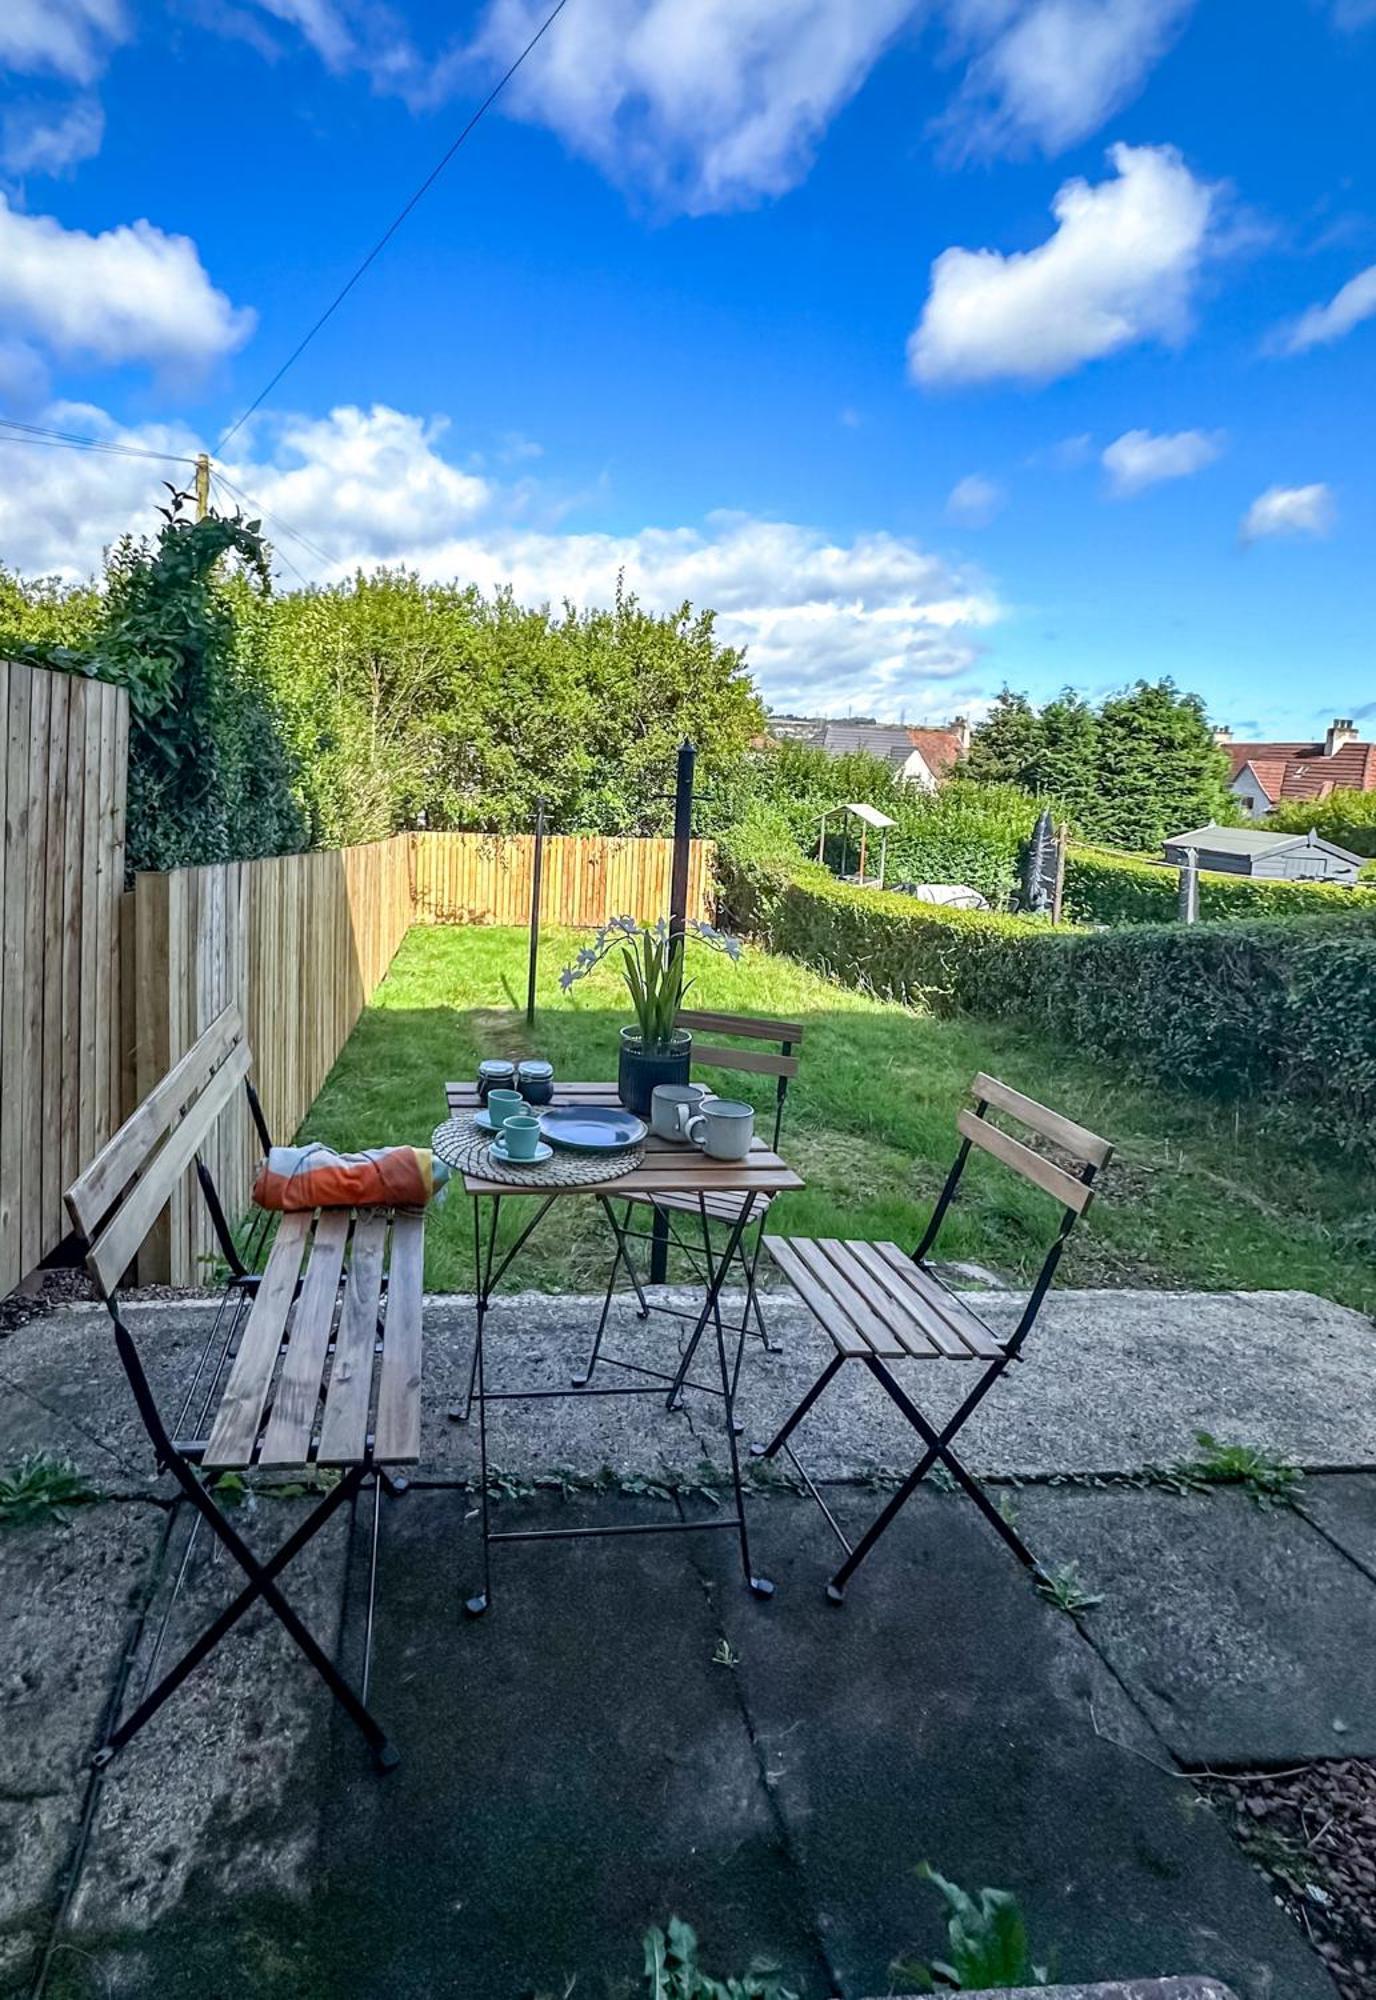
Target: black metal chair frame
x=937 y=1443
x=702 y=1256
x=181 y=1457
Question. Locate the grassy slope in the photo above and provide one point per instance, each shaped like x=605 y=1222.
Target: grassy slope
x=1197 y=1197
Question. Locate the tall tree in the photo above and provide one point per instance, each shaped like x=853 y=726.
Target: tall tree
x=1068 y=761
x=1007 y=747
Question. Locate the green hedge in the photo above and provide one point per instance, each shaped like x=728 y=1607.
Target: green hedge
x=1280 y=1010
x=1106 y=888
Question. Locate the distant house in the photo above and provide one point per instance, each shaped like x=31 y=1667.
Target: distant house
x=1274 y=857
x=921 y=757
x=1266 y=774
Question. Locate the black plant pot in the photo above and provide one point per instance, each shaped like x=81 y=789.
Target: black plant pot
x=639 y=1069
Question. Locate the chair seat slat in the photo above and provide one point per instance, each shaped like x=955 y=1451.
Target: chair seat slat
x=900 y=1312
x=235 y=1430
x=815 y=1297
x=287 y=1440
x=344 y=1428
x=398 y=1397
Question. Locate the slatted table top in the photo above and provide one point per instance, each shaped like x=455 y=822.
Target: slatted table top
x=666 y=1167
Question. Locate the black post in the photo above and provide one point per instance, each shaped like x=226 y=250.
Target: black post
x=537 y=870
x=678 y=918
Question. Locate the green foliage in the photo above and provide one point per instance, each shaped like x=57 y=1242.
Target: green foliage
x=44 y=615
x=1141 y=767
x=1266 y=1479
x=411 y=703
x=1102 y=887
x=1064 y=1588
x=652 y=967
x=673 y=1971
x=41 y=1488
x=1348 y=819
x=986 y=1940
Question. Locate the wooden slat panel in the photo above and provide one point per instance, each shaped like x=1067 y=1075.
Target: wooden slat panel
x=51 y=1222
x=757 y=1062
x=31 y=1081
x=814 y=1296
x=344 y=1431
x=116 y=1247
x=398 y=1397
x=1032 y=1166
x=836 y=1282
x=968 y=1334
x=903 y=1316
x=287 y=1440
x=16 y=875
x=1077 y=1140
x=746 y=1025
x=235 y=1430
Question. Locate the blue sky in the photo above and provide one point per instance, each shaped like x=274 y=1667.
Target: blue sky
x=937 y=345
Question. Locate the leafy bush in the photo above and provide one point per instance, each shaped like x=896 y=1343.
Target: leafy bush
x=1106 y=888
x=1348 y=819
x=987 y=1941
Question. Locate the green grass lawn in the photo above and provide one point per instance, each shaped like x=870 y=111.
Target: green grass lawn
x=1198 y=1196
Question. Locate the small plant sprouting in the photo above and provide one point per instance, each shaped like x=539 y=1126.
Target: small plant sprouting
x=42 y=1487
x=672 y=1971
x=725 y=1655
x=1267 y=1480
x=987 y=1941
x=1062 y=1587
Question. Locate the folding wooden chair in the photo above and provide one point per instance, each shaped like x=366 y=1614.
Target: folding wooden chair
x=880 y=1305
x=669 y=1213
x=314 y=1328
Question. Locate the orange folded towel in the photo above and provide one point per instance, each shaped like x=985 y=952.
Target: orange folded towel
x=315 y=1177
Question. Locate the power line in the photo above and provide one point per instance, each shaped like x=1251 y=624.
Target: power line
x=282 y=527
x=37 y=434
x=394 y=225
x=218 y=479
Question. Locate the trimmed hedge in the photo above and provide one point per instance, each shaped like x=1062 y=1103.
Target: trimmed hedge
x=1279 y=1010
x=1102 y=887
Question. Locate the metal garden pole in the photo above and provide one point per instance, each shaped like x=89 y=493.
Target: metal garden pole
x=537 y=870
x=678 y=919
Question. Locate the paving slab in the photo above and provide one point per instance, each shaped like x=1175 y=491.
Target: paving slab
x=1344 y=1507
x=71 y=1593
x=1246 y=1636
x=220 y=1793
x=946 y=1713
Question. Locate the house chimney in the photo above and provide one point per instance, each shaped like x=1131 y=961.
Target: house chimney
x=1340 y=731
x=1223 y=734
x=960 y=729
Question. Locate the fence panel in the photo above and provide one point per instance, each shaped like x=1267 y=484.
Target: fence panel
x=300 y=942
x=62 y=782
x=481 y=878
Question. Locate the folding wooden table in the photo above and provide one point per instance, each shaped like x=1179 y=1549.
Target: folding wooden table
x=664 y=1168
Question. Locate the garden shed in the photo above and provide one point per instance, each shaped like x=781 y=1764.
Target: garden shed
x=1273 y=856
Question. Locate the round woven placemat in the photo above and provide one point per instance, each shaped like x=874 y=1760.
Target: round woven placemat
x=468 y=1150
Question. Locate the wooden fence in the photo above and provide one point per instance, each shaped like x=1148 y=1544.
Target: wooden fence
x=479 y=878
x=62 y=778
x=300 y=942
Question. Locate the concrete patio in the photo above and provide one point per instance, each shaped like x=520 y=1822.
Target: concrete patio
x=628 y=1734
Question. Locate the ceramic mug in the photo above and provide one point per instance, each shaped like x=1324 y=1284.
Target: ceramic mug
x=723 y=1129
x=521 y=1137
x=673 y=1104
x=504 y=1104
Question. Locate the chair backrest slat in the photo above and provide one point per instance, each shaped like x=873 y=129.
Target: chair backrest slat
x=1036 y=1167
x=1074 y=1139
x=748 y=1026
x=119 y=1197
x=758 y=1062
x=96 y=1189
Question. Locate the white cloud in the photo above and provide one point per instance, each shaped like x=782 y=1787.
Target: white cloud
x=34 y=139
x=975 y=500
x=1120 y=268
x=1289 y=510
x=1320 y=326
x=1054 y=70
x=875 y=622
x=703 y=104
x=130 y=294
x=1139 y=459
x=66 y=38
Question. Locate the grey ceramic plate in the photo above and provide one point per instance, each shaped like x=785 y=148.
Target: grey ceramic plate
x=592 y=1129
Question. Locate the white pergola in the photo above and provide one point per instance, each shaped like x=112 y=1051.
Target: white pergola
x=870 y=818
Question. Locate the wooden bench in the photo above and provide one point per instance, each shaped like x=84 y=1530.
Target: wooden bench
x=878 y=1305
x=312 y=1363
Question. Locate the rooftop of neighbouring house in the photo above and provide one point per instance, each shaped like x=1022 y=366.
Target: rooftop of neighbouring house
x=939 y=748
x=1340 y=762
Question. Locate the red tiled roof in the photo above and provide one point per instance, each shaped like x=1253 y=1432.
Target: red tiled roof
x=941 y=748
x=1301 y=771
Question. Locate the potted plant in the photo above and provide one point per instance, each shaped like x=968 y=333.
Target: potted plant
x=655 y=1050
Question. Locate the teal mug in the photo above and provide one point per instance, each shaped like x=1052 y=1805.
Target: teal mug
x=521 y=1137
x=504 y=1104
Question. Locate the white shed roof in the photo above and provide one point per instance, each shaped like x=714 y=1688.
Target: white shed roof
x=869 y=814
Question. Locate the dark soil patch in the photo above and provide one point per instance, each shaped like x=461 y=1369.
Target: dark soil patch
x=1313 y=1834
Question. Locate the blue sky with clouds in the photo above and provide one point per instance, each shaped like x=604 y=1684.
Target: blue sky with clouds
x=937 y=345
